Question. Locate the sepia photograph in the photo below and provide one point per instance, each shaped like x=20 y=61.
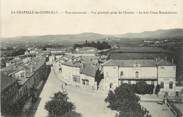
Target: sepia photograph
x=91 y=58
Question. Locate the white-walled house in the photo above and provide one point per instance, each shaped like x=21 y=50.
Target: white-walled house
x=51 y=58
x=167 y=77
x=117 y=72
x=84 y=51
x=79 y=74
x=131 y=71
x=71 y=72
x=88 y=72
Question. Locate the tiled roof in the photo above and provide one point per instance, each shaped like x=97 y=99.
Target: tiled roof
x=165 y=63
x=34 y=64
x=140 y=50
x=134 y=62
x=72 y=64
x=137 y=55
x=89 y=69
x=131 y=63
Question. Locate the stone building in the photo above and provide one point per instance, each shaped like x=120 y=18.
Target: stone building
x=132 y=71
x=79 y=74
x=24 y=78
x=9 y=88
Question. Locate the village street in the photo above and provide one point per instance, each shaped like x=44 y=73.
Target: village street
x=88 y=103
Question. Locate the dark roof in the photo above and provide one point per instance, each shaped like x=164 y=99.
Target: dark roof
x=89 y=69
x=140 y=50
x=130 y=63
x=138 y=55
x=6 y=81
x=34 y=64
x=72 y=64
x=140 y=62
x=165 y=63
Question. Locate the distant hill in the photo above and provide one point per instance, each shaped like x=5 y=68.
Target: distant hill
x=65 y=40
x=60 y=38
x=128 y=39
x=158 y=34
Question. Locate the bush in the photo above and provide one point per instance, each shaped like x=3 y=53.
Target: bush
x=59 y=105
x=157 y=89
x=126 y=102
x=98 y=77
x=99 y=45
x=141 y=88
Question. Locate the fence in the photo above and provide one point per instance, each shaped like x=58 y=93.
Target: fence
x=174 y=109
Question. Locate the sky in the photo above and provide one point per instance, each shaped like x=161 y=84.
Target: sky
x=13 y=25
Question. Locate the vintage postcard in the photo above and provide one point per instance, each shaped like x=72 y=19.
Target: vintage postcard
x=91 y=58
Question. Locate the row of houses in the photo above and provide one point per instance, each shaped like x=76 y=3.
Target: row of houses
x=153 y=70
x=77 y=70
x=21 y=82
x=116 y=72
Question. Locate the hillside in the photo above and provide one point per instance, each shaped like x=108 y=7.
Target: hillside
x=59 y=38
x=129 y=39
x=158 y=34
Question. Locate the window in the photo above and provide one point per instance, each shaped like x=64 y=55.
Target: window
x=170 y=85
x=85 y=81
x=76 y=79
x=60 y=69
x=177 y=94
x=121 y=74
x=137 y=74
x=110 y=86
x=162 y=84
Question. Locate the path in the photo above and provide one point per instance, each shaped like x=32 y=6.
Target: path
x=52 y=86
x=157 y=110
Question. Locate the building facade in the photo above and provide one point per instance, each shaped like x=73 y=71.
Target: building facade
x=27 y=78
x=151 y=71
x=79 y=74
x=9 y=88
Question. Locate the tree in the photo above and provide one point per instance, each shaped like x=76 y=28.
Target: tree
x=98 y=77
x=99 y=45
x=141 y=88
x=157 y=89
x=59 y=105
x=123 y=100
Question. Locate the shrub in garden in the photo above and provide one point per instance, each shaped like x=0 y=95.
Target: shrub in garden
x=124 y=100
x=59 y=105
